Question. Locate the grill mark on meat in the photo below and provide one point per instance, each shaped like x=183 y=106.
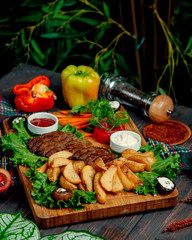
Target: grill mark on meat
x=37 y=146
x=76 y=155
x=45 y=148
x=45 y=151
x=98 y=152
x=48 y=136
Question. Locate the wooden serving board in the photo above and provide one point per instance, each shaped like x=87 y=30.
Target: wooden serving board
x=117 y=204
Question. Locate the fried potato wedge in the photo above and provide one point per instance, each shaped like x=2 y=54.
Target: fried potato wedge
x=126 y=153
x=107 y=178
x=134 y=178
x=147 y=158
x=70 y=174
x=152 y=160
x=59 y=162
x=117 y=186
x=53 y=174
x=62 y=154
x=66 y=184
x=127 y=183
x=100 y=191
x=78 y=166
x=118 y=162
x=98 y=165
x=135 y=166
x=43 y=168
x=141 y=159
x=80 y=186
x=87 y=176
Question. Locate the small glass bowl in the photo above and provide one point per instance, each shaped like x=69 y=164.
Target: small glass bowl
x=41 y=130
x=119 y=148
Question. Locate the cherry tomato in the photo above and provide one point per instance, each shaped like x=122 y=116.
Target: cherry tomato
x=5 y=180
x=102 y=135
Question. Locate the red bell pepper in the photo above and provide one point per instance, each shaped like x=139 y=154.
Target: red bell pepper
x=35 y=96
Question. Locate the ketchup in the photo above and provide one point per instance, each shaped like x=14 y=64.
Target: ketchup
x=42 y=122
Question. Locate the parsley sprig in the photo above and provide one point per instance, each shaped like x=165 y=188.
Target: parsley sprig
x=102 y=113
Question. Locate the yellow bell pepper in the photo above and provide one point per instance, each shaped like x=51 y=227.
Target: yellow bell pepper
x=79 y=85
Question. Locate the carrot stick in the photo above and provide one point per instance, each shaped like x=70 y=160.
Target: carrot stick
x=74 y=123
x=64 y=111
x=70 y=116
x=82 y=126
x=78 y=123
x=88 y=134
x=72 y=120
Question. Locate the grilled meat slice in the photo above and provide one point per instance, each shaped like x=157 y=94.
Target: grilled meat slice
x=47 y=144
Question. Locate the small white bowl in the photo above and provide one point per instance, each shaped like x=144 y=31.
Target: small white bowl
x=41 y=130
x=124 y=142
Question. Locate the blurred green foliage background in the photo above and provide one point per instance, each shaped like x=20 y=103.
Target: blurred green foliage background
x=147 y=41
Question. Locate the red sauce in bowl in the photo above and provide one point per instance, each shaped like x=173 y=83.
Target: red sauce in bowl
x=42 y=122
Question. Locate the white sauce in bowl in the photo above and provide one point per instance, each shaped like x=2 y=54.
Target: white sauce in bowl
x=125 y=139
x=166 y=182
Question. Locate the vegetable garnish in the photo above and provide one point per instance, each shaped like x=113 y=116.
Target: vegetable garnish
x=102 y=113
x=102 y=134
x=35 y=96
x=5 y=180
x=15 y=226
x=79 y=84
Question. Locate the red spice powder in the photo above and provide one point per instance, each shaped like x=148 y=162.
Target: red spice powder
x=178 y=225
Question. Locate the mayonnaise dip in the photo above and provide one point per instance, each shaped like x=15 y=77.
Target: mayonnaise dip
x=125 y=139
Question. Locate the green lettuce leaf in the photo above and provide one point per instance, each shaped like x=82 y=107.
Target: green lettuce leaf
x=21 y=130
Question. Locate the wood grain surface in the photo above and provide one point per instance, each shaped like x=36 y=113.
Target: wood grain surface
x=117 y=204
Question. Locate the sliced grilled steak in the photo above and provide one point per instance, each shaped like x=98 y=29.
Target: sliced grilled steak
x=47 y=144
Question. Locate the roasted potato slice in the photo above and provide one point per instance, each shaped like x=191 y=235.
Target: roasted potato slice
x=63 y=154
x=53 y=174
x=100 y=191
x=70 y=174
x=117 y=186
x=59 y=162
x=127 y=152
x=66 y=184
x=127 y=183
x=135 y=166
x=87 y=175
x=78 y=166
x=134 y=178
x=107 y=178
x=141 y=159
x=151 y=160
x=80 y=186
x=43 y=168
x=99 y=165
x=118 y=162
x=147 y=158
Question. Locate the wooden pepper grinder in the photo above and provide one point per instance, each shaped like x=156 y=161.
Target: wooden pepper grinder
x=158 y=108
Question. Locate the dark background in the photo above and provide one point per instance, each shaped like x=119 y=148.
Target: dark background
x=150 y=45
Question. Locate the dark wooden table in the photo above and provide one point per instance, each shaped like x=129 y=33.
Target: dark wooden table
x=142 y=225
